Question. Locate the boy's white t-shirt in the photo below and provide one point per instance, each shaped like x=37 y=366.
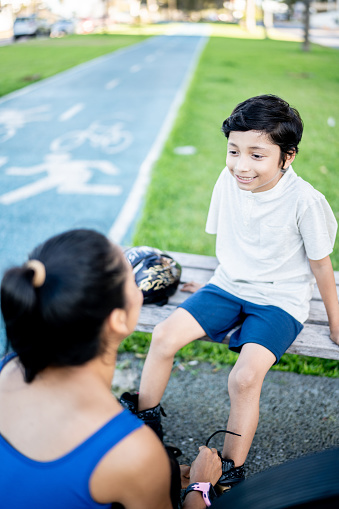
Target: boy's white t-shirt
x=264 y=240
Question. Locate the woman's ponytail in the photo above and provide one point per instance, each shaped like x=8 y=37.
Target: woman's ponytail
x=19 y=306
x=55 y=305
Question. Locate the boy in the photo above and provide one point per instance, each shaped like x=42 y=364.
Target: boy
x=274 y=234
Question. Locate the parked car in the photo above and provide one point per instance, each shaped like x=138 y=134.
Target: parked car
x=30 y=26
x=62 y=27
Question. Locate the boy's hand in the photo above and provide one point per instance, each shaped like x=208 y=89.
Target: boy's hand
x=191 y=287
x=334 y=334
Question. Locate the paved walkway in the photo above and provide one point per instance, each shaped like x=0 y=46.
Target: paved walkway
x=322 y=36
x=298 y=414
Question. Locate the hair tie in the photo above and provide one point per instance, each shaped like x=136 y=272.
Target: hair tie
x=39 y=272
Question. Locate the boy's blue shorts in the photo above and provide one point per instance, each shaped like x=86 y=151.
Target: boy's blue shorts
x=218 y=312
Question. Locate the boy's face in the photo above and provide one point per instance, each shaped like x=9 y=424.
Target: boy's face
x=254 y=161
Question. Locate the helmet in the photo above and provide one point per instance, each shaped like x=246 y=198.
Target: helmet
x=156 y=273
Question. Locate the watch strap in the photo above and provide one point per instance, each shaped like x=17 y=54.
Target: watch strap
x=206 y=489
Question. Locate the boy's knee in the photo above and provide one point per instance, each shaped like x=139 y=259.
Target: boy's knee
x=160 y=332
x=161 y=340
x=244 y=379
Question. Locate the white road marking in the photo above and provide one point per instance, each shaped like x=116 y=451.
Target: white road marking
x=150 y=58
x=135 y=68
x=112 y=84
x=71 y=112
x=12 y=119
x=134 y=199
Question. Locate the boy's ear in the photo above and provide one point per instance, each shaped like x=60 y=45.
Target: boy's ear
x=117 y=321
x=289 y=160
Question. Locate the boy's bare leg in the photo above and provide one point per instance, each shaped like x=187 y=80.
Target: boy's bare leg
x=244 y=387
x=179 y=329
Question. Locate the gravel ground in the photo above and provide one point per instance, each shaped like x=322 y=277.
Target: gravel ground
x=298 y=413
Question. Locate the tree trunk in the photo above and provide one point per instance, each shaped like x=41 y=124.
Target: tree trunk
x=306 y=43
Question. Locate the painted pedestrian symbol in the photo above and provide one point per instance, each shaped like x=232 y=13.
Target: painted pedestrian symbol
x=13 y=119
x=64 y=175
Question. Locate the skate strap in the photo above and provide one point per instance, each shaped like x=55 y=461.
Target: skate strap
x=220 y=431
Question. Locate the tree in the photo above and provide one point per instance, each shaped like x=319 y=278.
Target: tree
x=306 y=42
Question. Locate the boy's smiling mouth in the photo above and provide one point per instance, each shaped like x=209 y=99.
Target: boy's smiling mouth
x=244 y=179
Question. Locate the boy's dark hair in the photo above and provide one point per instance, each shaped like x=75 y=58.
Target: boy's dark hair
x=271 y=115
x=60 y=323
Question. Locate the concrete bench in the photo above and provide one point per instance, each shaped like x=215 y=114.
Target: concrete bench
x=313 y=341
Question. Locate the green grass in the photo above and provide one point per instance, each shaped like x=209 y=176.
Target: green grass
x=25 y=63
x=231 y=70
x=219 y=356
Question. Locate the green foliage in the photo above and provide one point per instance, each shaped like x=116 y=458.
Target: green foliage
x=137 y=343
x=220 y=356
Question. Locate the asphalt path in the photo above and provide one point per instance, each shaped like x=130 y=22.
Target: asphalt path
x=76 y=150
x=298 y=413
x=322 y=36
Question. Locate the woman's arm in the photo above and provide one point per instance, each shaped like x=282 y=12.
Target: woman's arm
x=205 y=468
x=135 y=473
x=324 y=275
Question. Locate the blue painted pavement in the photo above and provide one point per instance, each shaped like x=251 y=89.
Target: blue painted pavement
x=76 y=149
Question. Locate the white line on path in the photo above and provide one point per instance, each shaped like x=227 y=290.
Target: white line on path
x=135 y=68
x=133 y=202
x=112 y=84
x=150 y=58
x=71 y=112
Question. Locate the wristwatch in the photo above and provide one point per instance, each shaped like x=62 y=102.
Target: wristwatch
x=206 y=489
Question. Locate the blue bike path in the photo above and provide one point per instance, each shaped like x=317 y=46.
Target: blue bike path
x=76 y=149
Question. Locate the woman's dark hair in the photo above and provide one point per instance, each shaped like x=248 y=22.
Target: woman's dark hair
x=271 y=115
x=60 y=322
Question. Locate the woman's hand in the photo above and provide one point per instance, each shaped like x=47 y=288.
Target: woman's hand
x=206 y=467
x=185 y=476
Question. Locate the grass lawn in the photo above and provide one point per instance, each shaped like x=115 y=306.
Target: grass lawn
x=231 y=70
x=25 y=63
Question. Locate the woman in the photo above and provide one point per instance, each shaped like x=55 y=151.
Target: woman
x=65 y=441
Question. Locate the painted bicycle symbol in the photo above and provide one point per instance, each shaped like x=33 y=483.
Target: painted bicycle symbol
x=13 y=119
x=111 y=139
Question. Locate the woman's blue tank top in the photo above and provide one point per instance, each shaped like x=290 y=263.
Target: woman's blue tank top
x=64 y=482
